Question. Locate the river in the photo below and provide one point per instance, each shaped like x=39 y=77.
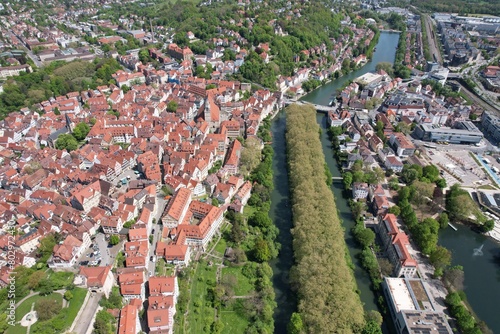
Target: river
x=280 y=211
x=480 y=257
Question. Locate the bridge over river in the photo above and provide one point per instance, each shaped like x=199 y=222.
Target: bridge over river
x=318 y=107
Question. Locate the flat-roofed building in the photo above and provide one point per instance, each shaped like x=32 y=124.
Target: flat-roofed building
x=464 y=133
x=412 y=308
x=491 y=124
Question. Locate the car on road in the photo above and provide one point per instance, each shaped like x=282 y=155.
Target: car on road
x=153 y=231
x=152 y=258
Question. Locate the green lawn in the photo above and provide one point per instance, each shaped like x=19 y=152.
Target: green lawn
x=233 y=321
x=200 y=311
x=487 y=187
x=221 y=246
x=75 y=304
x=60 y=279
x=244 y=286
x=25 y=307
x=162 y=268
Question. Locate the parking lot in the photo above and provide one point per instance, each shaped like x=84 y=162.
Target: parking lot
x=92 y=256
x=99 y=253
x=128 y=175
x=458 y=166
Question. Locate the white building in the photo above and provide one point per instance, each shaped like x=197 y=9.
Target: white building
x=412 y=307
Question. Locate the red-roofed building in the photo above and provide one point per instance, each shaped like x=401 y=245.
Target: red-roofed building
x=65 y=254
x=136 y=253
x=396 y=245
x=164 y=286
x=97 y=279
x=133 y=291
x=176 y=253
x=243 y=194
x=111 y=224
x=380 y=205
x=179 y=53
x=177 y=208
x=233 y=158
x=129 y=320
x=160 y=314
x=138 y=234
x=392 y=162
x=402 y=145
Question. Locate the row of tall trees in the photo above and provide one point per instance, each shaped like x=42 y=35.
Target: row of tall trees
x=324 y=282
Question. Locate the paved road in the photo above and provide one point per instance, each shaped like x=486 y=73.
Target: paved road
x=453 y=147
x=30 y=54
x=433 y=44
x=89 y=310
x=161 y=203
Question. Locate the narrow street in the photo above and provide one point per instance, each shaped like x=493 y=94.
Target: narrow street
x=158 y=228
x=88 y=312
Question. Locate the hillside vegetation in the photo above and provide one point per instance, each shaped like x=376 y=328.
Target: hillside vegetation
x=325 y=285
x=58 y=78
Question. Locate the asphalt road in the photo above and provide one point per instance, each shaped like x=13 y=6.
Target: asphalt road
x=88 y=313
x=30 y=54
x=161 y=203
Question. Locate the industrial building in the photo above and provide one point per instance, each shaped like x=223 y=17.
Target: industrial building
x=465 y=132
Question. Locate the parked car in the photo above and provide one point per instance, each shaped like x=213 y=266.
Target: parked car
x=152 y=258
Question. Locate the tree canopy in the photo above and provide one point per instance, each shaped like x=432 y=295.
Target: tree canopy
x=57 y=78
x=67 y=142
x=323 y=280
x=81 y=131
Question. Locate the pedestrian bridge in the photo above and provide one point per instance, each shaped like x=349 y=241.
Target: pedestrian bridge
x=336 y=177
